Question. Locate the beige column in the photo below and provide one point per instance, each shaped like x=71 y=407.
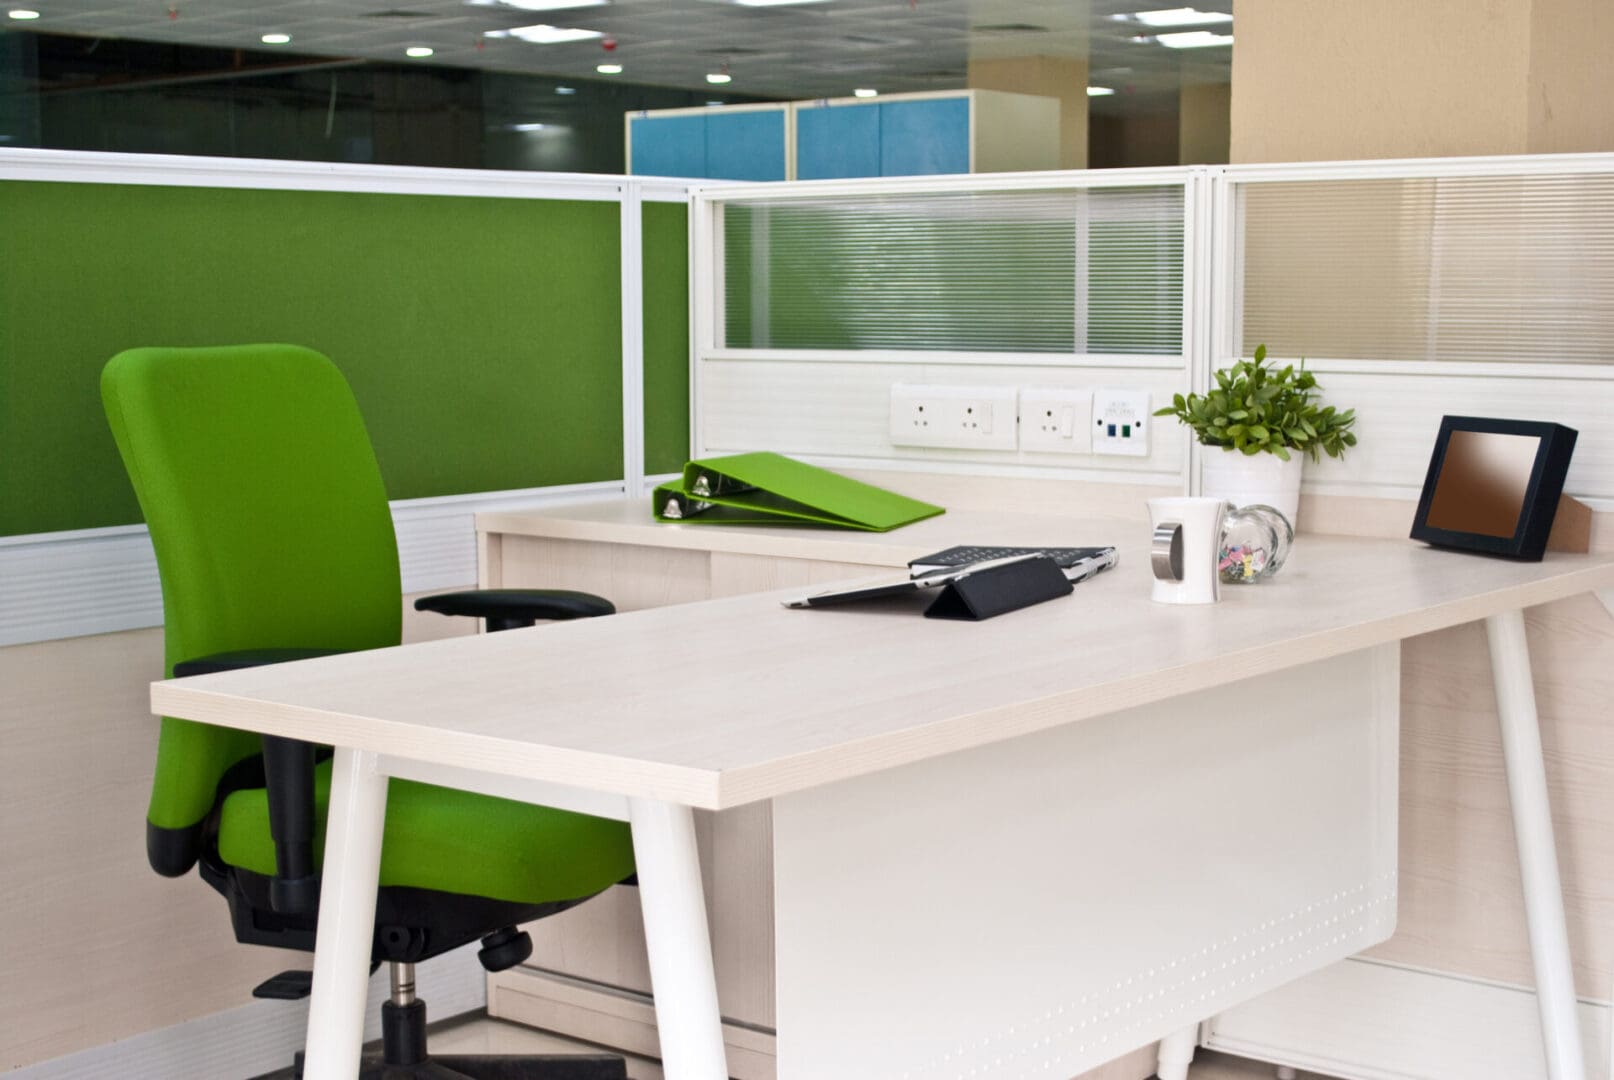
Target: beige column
x=1203 y=113
x=1320 y=80
x=1064 y=78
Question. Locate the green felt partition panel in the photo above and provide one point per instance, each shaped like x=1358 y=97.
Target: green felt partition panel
x=482 y=336
x=666 y=337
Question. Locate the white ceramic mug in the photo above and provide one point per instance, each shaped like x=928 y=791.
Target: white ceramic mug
x=1186 y=540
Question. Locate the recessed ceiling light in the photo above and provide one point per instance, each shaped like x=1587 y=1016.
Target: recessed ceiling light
x=418 y=51
x=608 y=69
x=1184 y=16
x=774 y=3
x=528 y=127
x=714 y=104
x=1194 y=39
x=719 y=77
x=275 y=39
x=864 y=91
x=22 y=13
x=544 y=34
x=566 y=90
x=1099 y=91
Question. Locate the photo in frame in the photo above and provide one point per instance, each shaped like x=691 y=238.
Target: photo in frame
x=1493 y=485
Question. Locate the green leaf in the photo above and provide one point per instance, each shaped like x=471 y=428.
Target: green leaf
x=1260 y=433
x=1260 y=353
x=1283 y=455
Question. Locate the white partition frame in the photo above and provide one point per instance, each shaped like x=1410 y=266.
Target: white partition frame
x=56 y=582
x=1224 y=305
x=707 y=296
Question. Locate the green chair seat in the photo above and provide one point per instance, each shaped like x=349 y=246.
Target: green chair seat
x=455 y=841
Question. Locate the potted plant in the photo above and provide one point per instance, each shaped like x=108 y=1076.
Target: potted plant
x=1257 y=417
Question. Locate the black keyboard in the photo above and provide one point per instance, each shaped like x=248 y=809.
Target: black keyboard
x=955 y=557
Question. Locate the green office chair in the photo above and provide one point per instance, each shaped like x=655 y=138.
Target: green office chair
x=274 y=542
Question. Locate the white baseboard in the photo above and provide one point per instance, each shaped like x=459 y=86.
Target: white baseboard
x=1367 y=1020
x=260 y=1037
x=100 y=581
x=620 y=1019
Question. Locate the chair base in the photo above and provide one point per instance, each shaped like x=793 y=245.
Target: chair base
x=484 y=1067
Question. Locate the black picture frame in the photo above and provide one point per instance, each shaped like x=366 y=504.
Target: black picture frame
x=1541 y=493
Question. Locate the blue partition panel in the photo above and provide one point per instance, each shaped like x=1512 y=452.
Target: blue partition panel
x=925 y=137
x=668 y=146
x=745 y=145
x=837 y=141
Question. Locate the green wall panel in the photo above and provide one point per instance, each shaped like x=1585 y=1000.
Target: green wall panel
x=666 y=337
x=482 y=336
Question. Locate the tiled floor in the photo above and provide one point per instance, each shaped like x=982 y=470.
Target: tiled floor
x=484 y=1036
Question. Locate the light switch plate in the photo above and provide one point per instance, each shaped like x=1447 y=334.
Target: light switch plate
x=1121 y=422
x=964 y=417
x=1056 y=420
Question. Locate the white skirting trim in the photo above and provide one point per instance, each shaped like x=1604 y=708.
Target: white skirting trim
x=261 y=1037
x=1367 y=1020
x=610 y=1016
x=97 y=581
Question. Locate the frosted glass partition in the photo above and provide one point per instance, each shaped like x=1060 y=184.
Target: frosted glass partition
x=1444 y=268
x=1060 y=271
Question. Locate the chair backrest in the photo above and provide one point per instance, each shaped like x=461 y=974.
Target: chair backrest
x=270 y=521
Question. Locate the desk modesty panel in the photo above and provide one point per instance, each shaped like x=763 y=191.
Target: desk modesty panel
x=731 y=701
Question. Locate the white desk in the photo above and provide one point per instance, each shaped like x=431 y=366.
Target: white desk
x=915 y=765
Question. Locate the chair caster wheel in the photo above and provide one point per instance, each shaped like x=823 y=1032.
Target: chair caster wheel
x=504 y=949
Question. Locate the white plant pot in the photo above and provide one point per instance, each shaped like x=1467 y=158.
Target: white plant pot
x=1243 y=479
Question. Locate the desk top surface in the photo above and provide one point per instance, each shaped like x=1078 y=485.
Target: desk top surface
x=629 y=521
x=729 y=701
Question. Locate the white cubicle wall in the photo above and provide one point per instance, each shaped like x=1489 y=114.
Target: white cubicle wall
x=810 y=300
x=1413 y=288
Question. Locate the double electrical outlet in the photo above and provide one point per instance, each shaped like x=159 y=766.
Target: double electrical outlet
x=1040 y=420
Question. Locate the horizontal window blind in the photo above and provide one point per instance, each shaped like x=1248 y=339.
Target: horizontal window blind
x=1040 y=271
x=1491 y=269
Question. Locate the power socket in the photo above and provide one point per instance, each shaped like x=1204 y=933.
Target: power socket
x=1056 y=420
x=963 y=417
x=1121 y=422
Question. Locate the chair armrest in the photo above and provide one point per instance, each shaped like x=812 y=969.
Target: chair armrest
x=288 y=768
x=507 y=609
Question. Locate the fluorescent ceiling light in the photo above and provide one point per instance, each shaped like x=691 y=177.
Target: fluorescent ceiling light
x=1194 y=39
x=565 y=89
x=544 y=34
x=1099 y=91
x=774 y=3
x=275 y=39
x=715 y=104
x=609 y=69
x=865 y=91
x=22 y=13
x=528 y=127
x=417 y=51
x=1183 y=16
x=546 y=5
x=719 y=77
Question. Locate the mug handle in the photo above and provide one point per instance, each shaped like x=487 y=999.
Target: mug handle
x=1165 y=555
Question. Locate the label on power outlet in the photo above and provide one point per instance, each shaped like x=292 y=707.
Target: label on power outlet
x=1121 y=422
x=962 y=417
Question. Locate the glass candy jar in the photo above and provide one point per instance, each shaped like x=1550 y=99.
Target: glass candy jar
x=1256 y=541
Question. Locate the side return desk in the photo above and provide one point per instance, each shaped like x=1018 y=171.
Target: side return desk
x=1009 y=849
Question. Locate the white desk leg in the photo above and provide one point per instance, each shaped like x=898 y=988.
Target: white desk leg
x=1177 y=1053
x=1538 y=858
x=681 y=976
x=352 y=869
